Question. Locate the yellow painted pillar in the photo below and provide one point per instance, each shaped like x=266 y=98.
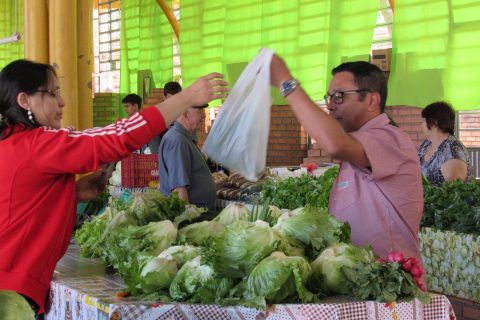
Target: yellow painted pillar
x=170 y=16
x=392 y=4
x=36 y=30
x=62 y=20
x=85 y=63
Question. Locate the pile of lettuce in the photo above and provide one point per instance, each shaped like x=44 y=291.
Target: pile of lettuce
x=452 y=262
x=292 y=193
x=294 y=256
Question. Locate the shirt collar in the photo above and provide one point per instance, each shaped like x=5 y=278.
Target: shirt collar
x=378 y=121
x=179 y=127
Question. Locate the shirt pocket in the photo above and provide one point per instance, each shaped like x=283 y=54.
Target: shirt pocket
x=344 y=194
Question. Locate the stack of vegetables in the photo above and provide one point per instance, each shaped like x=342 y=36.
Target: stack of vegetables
x=240 y=257
x=450 y=241
x=236 y=187
x=453 y=206
x=292 y=193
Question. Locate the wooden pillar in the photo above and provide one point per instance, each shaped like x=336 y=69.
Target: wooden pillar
x=36 y=30
x=85 y=63
x=170 y=16
x=392 y=4
x=62 y=19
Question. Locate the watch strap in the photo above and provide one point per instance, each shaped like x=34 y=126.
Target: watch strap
x=288 y=86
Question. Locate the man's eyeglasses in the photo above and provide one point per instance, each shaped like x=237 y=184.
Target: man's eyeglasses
x=337 y=97
x=55 y=93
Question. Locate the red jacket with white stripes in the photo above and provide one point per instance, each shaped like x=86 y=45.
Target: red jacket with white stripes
x=37 y=192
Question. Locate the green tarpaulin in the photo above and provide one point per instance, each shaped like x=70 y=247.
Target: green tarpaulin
x=146 y=44
x=8 y=14
x=435 y=51
x=312 y=36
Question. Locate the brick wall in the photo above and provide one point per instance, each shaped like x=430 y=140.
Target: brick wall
x=155 y=97
x=105 y=108
x=204 y=128
x=287 y=144
x=315 y=154
x=469 y=129
x=465 y=309
x=408 y=119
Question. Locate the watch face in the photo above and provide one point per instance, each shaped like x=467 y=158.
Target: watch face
x=288 y=86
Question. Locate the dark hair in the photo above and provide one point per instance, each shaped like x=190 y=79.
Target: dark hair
x=20 y=76
x=440 y=114
x=171 y=87
x=366 y=76
x=133 y=99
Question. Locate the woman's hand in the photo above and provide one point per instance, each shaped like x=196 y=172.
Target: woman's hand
x=205 y=89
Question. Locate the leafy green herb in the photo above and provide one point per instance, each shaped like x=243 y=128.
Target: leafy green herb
x=292 y=193
x=263 y=213
x=452 y=206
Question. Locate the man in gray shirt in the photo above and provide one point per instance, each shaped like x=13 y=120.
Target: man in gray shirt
x=182 y=166
x=169 y=89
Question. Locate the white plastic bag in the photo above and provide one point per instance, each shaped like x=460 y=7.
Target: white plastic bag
x=239 y=136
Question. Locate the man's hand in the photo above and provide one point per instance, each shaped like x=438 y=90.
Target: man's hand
x=278 y=71
x=91 y=186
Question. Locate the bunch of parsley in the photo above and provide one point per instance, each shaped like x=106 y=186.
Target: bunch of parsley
x=453 y=206
x=292 y=193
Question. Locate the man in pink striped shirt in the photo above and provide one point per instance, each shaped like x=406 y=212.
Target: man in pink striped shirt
x=379 y=186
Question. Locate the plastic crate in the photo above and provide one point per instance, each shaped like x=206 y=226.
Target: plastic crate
x=140 y=171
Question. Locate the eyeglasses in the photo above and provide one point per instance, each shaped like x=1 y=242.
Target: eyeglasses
x=55 y=93
x=337 y=97
x=201 y=107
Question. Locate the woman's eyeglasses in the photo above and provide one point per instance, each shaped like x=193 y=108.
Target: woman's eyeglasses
x=53 y=93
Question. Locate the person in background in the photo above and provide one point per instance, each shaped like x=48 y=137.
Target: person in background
x=132 y=103
x=379 y=185
x=169 y=90
x=442 y=156
x=182 y=166
x=38 y=193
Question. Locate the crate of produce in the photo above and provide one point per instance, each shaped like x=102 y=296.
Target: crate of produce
x=452 y=262
x=140 y=171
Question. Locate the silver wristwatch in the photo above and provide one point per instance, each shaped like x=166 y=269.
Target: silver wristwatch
x=288 y=86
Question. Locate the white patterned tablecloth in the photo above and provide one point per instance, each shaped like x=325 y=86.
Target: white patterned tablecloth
x=94 y=298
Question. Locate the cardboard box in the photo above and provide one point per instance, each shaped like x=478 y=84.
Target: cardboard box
x=381 y=58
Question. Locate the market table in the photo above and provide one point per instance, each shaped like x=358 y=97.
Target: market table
x=84 y=289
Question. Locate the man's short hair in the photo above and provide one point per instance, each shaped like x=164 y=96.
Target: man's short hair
x=171 y=87
x=133 y=99
x=366 y=76
x=440 y=114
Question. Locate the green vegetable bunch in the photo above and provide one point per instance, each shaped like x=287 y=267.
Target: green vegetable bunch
x=453 y=206
x=153 y=205
x=14 y=307
x=351 y=270
x=314 y=227
x=292 y=193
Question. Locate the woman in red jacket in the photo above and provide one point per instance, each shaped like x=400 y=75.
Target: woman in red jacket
x=38 y=163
